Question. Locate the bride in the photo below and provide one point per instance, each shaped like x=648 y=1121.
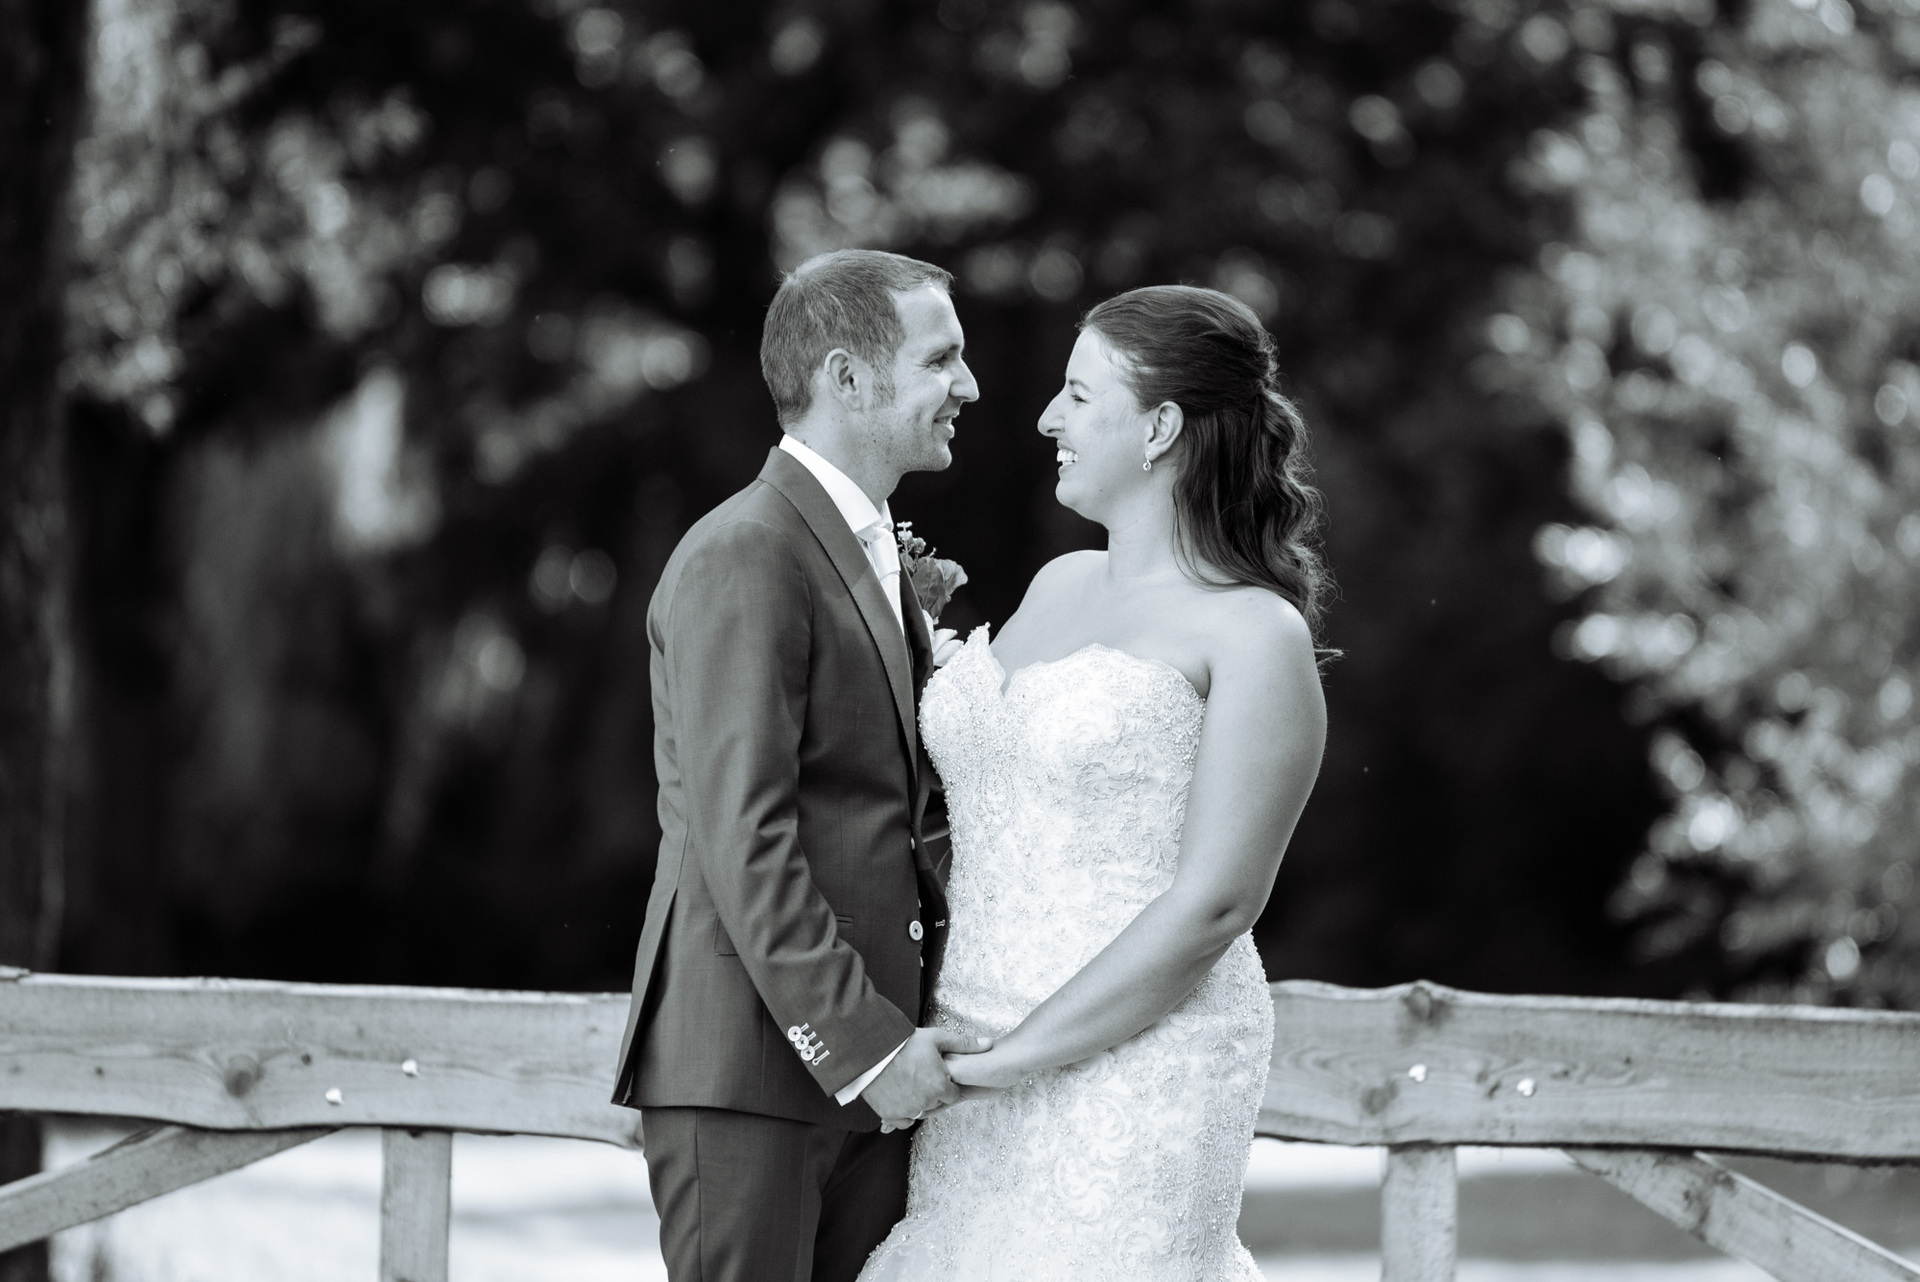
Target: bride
x=1124 y=765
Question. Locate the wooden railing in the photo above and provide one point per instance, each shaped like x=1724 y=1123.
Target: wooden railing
x=1639 y=1093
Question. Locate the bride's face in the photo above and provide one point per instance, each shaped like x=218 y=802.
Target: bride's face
x=1099 y=429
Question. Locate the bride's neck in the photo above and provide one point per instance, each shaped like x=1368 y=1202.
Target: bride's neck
x=1141 y=545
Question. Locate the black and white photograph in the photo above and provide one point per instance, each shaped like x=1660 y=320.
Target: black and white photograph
x=959 y=640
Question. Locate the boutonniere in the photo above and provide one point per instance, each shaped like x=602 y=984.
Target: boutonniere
x=934 y=580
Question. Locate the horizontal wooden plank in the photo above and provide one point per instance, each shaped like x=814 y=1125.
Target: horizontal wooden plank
x=1413 y=1064
x=1423 y=1063
x=1727 y=1210
x=249 y=1055
x=141 y=1167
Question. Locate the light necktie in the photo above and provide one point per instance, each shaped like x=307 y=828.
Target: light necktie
x=884 y=556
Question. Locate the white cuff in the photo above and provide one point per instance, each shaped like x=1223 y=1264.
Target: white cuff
x=851 y=1091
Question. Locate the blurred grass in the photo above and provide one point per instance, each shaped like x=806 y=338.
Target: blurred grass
x=528 y=1209
x=1543 y=1217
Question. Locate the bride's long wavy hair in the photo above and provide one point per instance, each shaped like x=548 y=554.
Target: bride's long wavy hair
x=1244 y=511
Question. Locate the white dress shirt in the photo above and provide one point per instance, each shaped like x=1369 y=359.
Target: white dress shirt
x=874 y=528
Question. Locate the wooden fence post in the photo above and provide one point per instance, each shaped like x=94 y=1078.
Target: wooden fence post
x=1419 y=1214
x=415 y=1204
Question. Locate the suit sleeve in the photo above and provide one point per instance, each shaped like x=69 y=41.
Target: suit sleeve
x=738 y=653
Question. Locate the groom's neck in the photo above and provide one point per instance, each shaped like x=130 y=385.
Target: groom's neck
x=859 y=459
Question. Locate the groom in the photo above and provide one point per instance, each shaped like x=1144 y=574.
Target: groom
x=797 y=917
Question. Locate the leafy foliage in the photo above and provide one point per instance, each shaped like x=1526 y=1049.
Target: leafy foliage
x=1728 y=332
x=409 y=337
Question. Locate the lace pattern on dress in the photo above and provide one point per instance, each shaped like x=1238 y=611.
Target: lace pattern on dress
x=1067 y=795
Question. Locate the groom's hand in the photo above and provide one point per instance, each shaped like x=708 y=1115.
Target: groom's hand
x=916 y=1082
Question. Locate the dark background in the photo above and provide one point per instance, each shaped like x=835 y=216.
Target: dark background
x=401 y=342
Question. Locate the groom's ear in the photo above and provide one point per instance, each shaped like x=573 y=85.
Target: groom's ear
x=847 y=380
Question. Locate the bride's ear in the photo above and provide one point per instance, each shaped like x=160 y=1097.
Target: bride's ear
x=1163 y=429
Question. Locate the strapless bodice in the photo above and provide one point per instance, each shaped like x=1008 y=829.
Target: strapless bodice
x=1067 y=790
x=1067 y=793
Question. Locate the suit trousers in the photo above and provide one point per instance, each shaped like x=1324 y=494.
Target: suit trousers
x=748 y=1198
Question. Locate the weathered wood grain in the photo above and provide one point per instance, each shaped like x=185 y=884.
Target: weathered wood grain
x=1422 y=1063
x=1414 y=1064
x=416 y=1204
x=1419 y=1214
x=140 y=1167
x=244 y=1055
x=1729 y=1211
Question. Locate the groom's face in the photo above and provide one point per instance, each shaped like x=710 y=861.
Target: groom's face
x=931 y=382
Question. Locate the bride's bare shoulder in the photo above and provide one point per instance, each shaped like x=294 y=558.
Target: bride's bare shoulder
x=1082 y=562
x=1073 y=567
x=1058 y=580
x=1250 y=622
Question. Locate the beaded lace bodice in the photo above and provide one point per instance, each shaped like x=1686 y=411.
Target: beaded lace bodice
x=1067 y=794
x=1067 y=809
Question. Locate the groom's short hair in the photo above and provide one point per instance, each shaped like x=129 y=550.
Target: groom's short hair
x=842 y=298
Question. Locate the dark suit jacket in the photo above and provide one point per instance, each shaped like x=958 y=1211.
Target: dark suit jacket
x=796 y=917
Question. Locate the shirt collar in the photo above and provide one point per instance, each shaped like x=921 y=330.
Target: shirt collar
x=856 y=509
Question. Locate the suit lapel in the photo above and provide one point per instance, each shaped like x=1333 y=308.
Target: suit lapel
x=787 y=475
x=933 y=892
x=918 y=640
x=921 y=644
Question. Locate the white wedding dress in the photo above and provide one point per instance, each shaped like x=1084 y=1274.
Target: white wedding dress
x=1067 y=795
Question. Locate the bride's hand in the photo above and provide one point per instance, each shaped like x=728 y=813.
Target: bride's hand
x=986 y=1071
x=946 y=644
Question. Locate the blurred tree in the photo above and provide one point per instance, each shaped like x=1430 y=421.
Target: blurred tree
x=41 y=93
x=408 y=338
x=1730 y=333
x=363 y=339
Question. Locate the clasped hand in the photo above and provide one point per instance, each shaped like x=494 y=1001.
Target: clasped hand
x=994 y=1069
x=918 y=1081
x=946 y=644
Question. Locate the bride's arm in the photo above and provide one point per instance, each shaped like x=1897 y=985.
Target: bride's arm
x=1259 y=752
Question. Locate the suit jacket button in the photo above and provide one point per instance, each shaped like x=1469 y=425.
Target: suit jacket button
x=915 y=931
